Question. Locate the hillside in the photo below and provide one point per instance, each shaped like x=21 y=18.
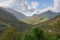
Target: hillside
x=8 y=20
x=17 y=14
x=37 y=18
x=33 y=20
x=52 y=24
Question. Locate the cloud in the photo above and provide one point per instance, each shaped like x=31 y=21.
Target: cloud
x=54 y=8
x=33 y=5
x=30 y=9
x=56 y=5
x=37 y=11
x=25 y=7
x=46 y=9
x=6 y=3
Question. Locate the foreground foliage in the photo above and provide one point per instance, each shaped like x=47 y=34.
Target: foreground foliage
x=39 y=34
x=34 y=34
x=49 y=30
x=11 y=34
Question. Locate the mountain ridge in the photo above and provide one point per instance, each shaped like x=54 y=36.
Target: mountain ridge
x=8 y=18
x=17 y=14
x=34 y=19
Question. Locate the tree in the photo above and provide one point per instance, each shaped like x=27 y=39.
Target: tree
x=50 y=35
x=35 y=34
x=11 y=34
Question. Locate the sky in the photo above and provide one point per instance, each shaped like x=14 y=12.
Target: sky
x=42 y=3
x=30 y=7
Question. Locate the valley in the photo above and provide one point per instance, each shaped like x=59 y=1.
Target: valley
x=14 y=24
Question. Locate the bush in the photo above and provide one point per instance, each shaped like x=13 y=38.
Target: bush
x=11 y=34
x=35 y=34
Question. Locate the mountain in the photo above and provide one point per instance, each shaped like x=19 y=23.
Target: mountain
x=52 y=20
x=51 y=24
x=18 y=15
x=8 y=20
x=37 y=18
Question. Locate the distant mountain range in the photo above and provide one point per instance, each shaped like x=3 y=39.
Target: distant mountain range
x=52 y=24
x=11 y=18
x=54 y=20
x=17 y=14
x=16 y=24
x=35 y=19
x=8 y=20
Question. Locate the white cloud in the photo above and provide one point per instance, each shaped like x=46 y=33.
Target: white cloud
x=36 y=11
x=25 y=7
x=33 y=5
x=6 y=3
x=55 y=8
x=56 y=5
x=46 y=9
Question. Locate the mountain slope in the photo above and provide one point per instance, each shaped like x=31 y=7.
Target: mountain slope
x=52 y=24
x=18 y=15
x=53 y=20
x=37 y=18
x=10 y=19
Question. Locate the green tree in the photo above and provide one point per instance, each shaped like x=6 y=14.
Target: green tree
x=35 y=34
x=11 y=34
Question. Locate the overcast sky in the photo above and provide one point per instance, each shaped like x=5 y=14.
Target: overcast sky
x=30 y=7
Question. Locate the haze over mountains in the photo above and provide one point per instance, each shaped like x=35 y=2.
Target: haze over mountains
x=9 y=20
x=37 y=18
x=18 y=15
x=29 y=19
x=34 y=19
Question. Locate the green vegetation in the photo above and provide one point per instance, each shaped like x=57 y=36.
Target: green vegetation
x=11 y=34
x=34 y=34
x=38 y=34
x=39 y=18
x=48 y=30
x=13 y=29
